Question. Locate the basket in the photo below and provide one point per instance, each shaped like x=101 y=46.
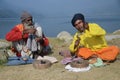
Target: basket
x=41 y=64
x=79 y=64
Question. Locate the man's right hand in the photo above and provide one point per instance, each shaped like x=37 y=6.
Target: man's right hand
x=76 y=43
x=31 y=31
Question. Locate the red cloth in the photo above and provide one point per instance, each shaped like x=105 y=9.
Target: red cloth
x=46 y=41
x=15 y=34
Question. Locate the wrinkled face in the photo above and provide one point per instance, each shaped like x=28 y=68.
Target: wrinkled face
x=28 y=21
x=79 y=25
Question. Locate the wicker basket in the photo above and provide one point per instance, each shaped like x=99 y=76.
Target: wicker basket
x=41 y=64
x=79 y=64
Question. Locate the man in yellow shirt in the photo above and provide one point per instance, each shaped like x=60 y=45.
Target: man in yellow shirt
x=90 y=40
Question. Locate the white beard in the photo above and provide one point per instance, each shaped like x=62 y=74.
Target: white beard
x=27 y=26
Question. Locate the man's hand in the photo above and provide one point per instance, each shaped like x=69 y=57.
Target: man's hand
x=38 y=39
x=77 y=42
x=31 y=31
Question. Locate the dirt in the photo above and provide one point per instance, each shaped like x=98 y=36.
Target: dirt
x=58 y=72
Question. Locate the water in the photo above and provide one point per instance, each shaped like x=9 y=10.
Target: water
x=53 y=26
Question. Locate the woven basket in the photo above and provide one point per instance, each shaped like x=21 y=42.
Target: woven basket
x=79 y=64
x=41 y=64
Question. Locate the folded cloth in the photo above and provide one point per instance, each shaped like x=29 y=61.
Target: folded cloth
x=51 y=59
x=98 y=63
x=69 y=68
x=66 y=60
x=65 y=53
x=70 y=59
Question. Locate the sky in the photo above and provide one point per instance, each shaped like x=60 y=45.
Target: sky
x=64 y=8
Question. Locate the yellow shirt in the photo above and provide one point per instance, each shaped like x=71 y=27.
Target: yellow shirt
x=94 y=38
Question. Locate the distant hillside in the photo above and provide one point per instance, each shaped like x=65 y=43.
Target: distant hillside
x=6 y=13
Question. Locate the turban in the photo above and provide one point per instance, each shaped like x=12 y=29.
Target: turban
x=76 y=17
x=25 y=15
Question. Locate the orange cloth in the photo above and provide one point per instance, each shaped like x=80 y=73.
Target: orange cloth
x=107 y=53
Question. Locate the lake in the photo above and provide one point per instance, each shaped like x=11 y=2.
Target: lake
x=53 y=26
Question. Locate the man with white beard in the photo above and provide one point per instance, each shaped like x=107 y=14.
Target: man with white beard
x=28 y=38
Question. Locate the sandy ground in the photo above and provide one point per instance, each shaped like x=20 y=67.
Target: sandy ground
x=58 y=72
